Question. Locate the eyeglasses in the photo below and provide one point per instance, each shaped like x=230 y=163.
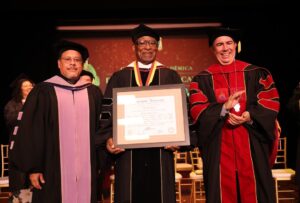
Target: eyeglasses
x=70 y=60
x=144 y=43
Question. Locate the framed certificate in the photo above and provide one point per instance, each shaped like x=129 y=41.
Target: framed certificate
x=154 y=116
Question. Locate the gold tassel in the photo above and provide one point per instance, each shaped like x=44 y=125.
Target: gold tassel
x=160 y=47
x=239 y=47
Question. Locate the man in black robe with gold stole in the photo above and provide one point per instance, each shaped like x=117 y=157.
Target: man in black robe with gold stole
x=142 y=175
x=234 y=106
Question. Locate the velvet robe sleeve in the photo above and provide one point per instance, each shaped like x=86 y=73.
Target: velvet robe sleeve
x=262 y=103
x=204 y=109
x=95 y=100
x=106 y=115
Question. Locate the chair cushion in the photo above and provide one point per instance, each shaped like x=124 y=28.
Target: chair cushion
x=285 y=174
x=193 y=175
x=4 y=182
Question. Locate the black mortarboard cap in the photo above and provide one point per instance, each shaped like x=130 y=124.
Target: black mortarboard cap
x=16 y=81
x=88 y=73
x=65 y=45
x=143 y=30
x=214 y=33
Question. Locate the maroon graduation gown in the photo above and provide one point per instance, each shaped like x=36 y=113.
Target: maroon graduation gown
x=235 y=158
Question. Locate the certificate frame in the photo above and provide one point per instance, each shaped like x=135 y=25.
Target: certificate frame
x=152 y=116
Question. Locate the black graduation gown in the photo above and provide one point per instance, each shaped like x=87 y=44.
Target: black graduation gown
x=11 y=111
x=141 y=175
x=263 y=109
x=36 y=145
x=294 y=125
x=17 y=180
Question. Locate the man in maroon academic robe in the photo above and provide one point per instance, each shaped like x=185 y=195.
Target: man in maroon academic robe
x=234 y=106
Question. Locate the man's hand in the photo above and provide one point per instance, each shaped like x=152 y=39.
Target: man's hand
x=172 y=148
x=238 y=120
x=36 y=179
x=233 y=99
x=111 y=147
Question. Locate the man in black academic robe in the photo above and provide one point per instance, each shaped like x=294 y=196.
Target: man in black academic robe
x=141 y=175
x=55 y=139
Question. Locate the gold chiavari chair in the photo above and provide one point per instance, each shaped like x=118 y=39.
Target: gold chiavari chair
x=280 y=172
x=197 y=193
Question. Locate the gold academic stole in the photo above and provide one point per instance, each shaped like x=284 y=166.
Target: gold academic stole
x=138 y=77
